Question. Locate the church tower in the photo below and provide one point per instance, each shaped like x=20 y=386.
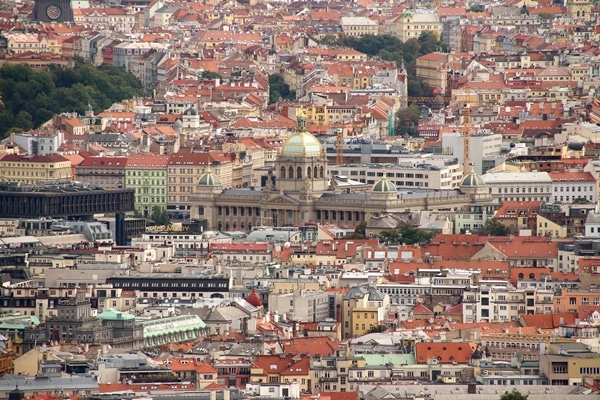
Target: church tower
x=52 y=11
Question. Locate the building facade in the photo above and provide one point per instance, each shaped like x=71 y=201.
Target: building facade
x=147 y=175
x=33 y=169
x=107 y=172
x=300 y=190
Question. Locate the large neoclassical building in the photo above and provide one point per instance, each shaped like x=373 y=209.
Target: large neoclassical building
x=300 y=190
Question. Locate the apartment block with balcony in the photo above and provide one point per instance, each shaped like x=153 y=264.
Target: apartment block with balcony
x=498 y=303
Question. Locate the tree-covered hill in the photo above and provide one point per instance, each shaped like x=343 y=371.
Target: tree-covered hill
x=32 y=97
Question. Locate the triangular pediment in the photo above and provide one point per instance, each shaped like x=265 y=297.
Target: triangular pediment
x=281 y=199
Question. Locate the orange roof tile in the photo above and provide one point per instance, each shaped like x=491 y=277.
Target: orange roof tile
x=445 y=352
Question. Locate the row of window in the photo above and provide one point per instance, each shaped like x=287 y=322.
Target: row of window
x=146 y=173
x=135 y=285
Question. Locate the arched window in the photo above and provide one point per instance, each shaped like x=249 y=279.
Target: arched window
x=299 y=173
x=282 y=174
x=321 y=172
x=521 y=276
x=316 y=172
x=291 y=172
x=308 y=172
x=532 y=276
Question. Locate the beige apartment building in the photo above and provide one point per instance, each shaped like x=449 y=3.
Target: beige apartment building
x=33 y=169
x=184 y=169
x=412 y=23
x=358 y=26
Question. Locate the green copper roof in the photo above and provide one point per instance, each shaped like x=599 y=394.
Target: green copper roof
x=164 y=326
x=110 y=314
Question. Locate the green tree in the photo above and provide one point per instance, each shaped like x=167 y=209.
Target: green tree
x=211 y=75
x=160 y=216
x=377 y=328
x=513 y=395
x=407 y=121
x=407 y=234
x=23 y=121
x=31 y=97
x=278 y=89
x=392 y=236
x=493 y=227
x=476 y=8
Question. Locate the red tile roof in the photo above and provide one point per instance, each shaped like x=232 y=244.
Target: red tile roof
x=445 y=352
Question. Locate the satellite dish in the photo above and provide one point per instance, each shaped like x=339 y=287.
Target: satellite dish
x=287 y=245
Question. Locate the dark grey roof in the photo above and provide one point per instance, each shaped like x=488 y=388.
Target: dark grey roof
x=358 y=292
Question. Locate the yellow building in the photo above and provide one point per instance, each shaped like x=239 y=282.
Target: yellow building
x=328 y=115
x=33 y=169
x=363 y=308
x=546 y=227
x=569 y=363
x=280 y=286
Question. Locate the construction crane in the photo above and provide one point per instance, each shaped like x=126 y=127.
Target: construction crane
x=466 y=139
x=339 y=147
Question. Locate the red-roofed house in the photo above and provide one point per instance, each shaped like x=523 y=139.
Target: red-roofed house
x=445 y=352
x=422 y=312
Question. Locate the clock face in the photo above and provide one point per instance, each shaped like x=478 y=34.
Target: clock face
x=53 y=11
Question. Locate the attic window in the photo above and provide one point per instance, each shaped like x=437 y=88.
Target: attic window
x=460 y=348
x=429 y=348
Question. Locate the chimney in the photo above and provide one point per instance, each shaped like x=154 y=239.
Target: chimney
x=295 y=329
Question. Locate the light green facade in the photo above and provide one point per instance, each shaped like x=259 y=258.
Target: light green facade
x=147 y=175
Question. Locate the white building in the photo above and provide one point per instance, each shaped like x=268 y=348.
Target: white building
x=592 y=223
x=406 y=175
x=358 y=26
x=483 y=144
x=303 y=305
x=519 y=186
x=412 y=23
x=289 y=390
x=567 y=187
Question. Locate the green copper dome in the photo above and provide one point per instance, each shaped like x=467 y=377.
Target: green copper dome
x=301 y=143
x=209 y=179
x=384 y=185
x=472 y=180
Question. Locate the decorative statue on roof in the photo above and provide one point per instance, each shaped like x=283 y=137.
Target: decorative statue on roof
x=301 y=119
